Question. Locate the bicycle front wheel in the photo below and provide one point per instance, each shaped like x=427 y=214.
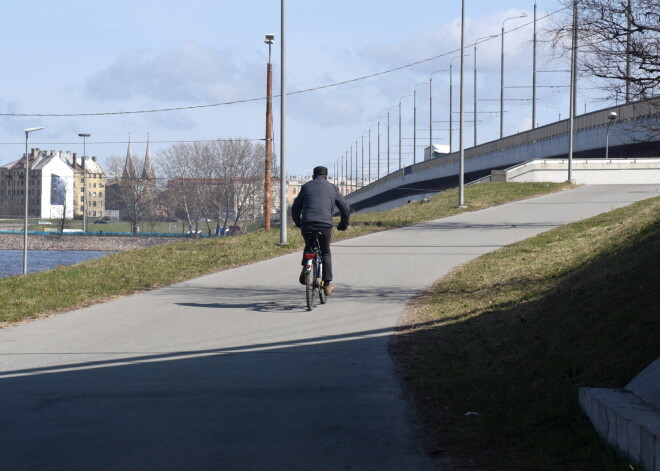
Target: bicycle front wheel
x=309 y=290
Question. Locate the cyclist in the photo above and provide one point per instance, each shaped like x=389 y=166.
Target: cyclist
x=312 y=211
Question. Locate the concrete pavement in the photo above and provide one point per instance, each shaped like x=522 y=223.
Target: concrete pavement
x=229 y=371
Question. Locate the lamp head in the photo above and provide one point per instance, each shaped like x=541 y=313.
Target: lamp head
x=612 y=116
x=270 y=39
x=28 y=130
x=82 y=134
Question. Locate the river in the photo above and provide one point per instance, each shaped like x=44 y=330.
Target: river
x=11 y=261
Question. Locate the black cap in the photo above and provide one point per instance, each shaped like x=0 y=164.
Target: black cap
x=320 y=170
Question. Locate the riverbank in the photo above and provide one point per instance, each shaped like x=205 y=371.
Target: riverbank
x=83 y=242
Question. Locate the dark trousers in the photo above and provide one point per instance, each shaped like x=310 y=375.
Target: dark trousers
x=325 y=238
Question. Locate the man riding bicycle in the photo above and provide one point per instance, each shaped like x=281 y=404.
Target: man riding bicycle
x=312 y=212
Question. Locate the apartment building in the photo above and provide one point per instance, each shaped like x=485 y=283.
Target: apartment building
x=55 y=186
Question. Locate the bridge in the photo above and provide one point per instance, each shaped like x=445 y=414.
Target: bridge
x=635 y=134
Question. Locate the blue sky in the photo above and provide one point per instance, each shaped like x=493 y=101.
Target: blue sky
x=75 y=57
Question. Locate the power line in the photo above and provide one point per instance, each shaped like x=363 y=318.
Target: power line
x=249 y=100
x=132 y=142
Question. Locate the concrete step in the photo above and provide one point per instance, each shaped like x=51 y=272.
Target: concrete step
x=626 y=422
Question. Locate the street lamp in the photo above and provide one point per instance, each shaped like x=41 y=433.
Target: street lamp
x=406 y=96
x=388 y=137
x=502 y=75
x=610 y=119
x=431 y=110
x=27 y=180
x=270 y=39
x=483 y=38
x=451 y=92
x=84 y=180
x=415 y=121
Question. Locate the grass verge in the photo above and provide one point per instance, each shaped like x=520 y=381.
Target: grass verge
x=515 y=333
x=33 y=296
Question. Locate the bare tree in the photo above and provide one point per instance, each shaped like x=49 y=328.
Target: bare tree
x=216 y=181
x=619 y=43
x=131 y=195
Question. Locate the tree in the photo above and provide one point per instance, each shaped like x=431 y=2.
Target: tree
x=619 y=43
x=132 y=195
x=219 y=180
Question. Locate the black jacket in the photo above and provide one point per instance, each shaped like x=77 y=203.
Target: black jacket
x=315 y=204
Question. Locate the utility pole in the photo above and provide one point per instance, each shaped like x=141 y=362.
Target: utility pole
x=270 y=38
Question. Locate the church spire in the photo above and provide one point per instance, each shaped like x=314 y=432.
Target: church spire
x=129 y=168
x=148 y=170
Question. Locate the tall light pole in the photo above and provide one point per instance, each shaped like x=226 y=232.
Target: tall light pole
x=84 y=179
x=610 y=119
x=378 y=150
x=571 y=107
x=406 y=96
x=283 y=185
x=27 y=198
x=502 y=75
x=481 y=39
x=388 y=138
x=362 y=154
x=415 y=121
x=534 y=72
x=270 y=39
x=461 y=169
x=431 y=111
x=451 y=99
x=357 y=173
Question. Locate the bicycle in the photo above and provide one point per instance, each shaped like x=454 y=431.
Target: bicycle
x=314 y=271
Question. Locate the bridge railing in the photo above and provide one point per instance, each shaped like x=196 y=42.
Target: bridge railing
x=625 y=112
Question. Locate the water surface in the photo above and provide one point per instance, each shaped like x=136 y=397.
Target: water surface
x=11 y=261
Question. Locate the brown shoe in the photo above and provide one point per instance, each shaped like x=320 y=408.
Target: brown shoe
x=328 y=289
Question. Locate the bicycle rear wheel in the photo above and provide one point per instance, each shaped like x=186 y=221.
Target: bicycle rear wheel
x=309 y=290
x=319 y=282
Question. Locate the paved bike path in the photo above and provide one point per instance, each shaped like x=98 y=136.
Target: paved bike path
x=229 y=371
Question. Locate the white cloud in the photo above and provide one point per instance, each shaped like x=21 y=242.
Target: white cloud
x=190 y=73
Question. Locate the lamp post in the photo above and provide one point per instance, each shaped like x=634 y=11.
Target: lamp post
x=431 y=111
x=415 y=121
x=369 y=172
x=610 y=119
x=461 y=168
x=270 y=39
x=84 y=179
x=502 y=75
x=388 y=138
x=451 y=99
x=406 y=96
x=378 y=150
x=27 y=181
x=283 y=185
x=362 y=163
x=474 y=117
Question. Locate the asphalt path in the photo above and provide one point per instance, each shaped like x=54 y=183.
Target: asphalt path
x=231 y=372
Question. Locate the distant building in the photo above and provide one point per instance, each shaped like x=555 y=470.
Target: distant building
x=55 y=186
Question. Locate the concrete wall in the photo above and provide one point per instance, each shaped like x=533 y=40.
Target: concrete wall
x=585 y=171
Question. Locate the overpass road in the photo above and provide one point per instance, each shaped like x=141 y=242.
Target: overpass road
x=229 y=371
